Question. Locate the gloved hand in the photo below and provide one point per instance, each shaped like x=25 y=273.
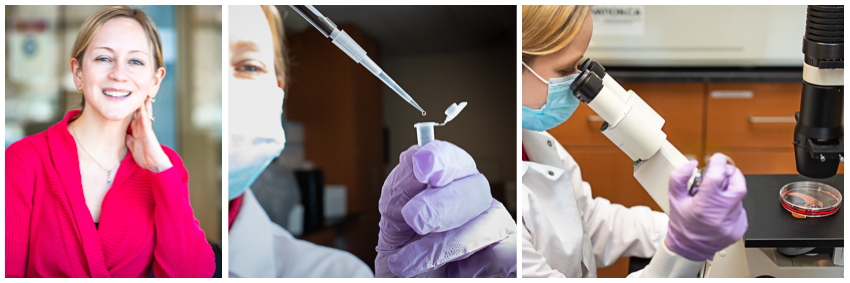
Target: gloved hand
x=711 y=220
x=438 y=219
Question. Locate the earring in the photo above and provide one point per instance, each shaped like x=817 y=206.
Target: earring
x=79 y=89
x=153 y=100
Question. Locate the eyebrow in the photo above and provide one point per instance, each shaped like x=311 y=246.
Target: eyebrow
x=111 y=50
x=243 y=46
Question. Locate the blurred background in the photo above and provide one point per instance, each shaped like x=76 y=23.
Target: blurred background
x=345 y=129
x=725 y=78
x=40 y=90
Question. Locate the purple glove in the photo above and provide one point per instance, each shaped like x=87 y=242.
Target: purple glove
x=425 y=228
x=712 y=219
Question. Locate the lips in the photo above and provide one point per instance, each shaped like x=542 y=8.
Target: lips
x=117 y=93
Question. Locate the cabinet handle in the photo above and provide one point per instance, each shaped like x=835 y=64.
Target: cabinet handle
x=734 y=94
x=772 y=119
x=595 y=118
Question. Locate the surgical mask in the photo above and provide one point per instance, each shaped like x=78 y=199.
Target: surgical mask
x=560 y=104
x=256 y=134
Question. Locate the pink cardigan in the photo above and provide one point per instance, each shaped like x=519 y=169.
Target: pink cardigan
x=146 y=221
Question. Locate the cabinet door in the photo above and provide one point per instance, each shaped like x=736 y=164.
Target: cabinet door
x=752 y=115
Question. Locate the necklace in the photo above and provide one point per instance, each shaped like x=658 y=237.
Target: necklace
x=108 y=172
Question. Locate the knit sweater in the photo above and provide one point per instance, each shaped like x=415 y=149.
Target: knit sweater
x=146 y=221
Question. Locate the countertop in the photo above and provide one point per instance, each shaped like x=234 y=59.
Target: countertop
x=706 y=74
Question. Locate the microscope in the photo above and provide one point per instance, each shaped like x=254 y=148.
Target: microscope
x=777 y=245
x=635 y=128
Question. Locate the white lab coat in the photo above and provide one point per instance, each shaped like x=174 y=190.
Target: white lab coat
x=568 y=233
x=259 y=247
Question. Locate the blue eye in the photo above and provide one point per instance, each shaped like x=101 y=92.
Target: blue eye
x=250 y=68
x=137 y=62
x=102 y=59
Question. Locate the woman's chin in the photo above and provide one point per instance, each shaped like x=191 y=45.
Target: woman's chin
x=116 y=115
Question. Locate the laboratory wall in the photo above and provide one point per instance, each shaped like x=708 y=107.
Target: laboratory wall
x=39 y=88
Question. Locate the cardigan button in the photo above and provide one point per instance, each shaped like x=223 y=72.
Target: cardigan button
x=551 y=173
x=549 y=143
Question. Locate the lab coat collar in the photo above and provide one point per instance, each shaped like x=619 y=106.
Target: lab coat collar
x=543 y=155
x=251 y=242
x=541 y=148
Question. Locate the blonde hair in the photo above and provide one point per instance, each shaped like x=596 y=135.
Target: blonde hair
x=549 y=28
x=281 y=60
x=93 y=24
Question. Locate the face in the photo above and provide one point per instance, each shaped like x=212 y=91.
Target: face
x=117 y=69
x=562 y=63
x=251 y=46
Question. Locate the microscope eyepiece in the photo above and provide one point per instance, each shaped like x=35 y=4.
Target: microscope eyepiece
x=593 y=66
x=586 y=86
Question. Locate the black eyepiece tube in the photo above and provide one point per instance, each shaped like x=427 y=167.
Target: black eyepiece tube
x=586 y=86
x=593 y=66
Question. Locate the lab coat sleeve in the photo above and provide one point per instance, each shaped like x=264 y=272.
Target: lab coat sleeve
x=667 y=264
x=534 y=265
x=20 y=178
x=615 y=231
x=181 y=248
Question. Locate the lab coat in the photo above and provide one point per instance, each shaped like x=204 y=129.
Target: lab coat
x=568 y=233
x=261 y=248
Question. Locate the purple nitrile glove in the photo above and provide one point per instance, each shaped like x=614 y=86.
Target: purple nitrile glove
x=424 y=228
x=711 y=220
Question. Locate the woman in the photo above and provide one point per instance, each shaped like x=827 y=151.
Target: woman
x=567 y=233
x=96 y=195
x=259 y=247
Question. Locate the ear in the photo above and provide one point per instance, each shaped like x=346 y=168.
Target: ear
x=158 y=76
x=76 y=72
x=281 y=83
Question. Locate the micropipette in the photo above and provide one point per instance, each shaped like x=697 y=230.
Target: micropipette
x=347 y=45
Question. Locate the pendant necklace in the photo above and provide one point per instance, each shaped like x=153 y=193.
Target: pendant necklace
x=108 y=172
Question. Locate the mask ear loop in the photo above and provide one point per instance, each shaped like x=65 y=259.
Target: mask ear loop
x=535 y=74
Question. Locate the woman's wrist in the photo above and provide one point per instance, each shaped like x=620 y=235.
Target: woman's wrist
x=161 y=167
x=161 y=163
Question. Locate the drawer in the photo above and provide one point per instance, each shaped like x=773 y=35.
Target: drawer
x=680 y=104
x=762 y=161
x=751 y=115
x=610 y=174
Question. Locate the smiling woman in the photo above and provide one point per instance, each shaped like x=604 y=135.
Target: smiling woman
x=96 y=195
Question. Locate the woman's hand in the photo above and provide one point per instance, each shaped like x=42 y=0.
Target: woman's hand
x=143 y=143
x=711 y=220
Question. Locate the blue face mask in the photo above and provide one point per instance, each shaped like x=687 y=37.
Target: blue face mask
x=256 y=134
x=560 y=104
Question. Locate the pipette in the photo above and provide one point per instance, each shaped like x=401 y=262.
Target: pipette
x=344 y=42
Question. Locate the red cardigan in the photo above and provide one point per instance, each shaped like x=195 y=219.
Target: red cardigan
x=146 y=221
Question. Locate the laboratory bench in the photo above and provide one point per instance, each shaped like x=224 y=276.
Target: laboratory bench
x=745 y=113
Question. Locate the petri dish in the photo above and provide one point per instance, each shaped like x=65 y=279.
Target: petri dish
x=810 y=199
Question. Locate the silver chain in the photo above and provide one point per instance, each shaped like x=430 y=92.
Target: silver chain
x=108 y=172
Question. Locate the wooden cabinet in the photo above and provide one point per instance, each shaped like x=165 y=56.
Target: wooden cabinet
x=751 y=115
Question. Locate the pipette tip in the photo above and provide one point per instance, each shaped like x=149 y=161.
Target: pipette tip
x=423 y=113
